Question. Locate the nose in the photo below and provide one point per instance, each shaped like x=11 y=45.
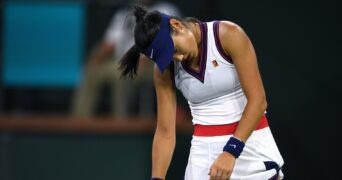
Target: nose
x=178 y=57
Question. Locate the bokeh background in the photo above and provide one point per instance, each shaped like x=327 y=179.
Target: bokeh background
x=44 y=45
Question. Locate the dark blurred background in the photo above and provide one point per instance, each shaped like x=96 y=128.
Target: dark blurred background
x=43 y=49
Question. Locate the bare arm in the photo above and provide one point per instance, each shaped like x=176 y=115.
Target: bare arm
x=236 y=43
x=165 y=136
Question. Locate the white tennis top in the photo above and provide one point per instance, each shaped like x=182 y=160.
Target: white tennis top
x=213 y=92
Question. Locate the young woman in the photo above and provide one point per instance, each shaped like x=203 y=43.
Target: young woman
x=215 y=67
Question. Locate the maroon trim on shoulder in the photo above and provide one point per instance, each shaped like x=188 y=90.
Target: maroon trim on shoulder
x=199 y=74
x=218 y=43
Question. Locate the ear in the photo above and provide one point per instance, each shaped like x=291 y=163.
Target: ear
x=176 y=25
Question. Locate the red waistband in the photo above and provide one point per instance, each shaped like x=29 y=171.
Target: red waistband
x=225 y=129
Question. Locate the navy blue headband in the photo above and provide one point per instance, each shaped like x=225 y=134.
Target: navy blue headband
x=161 y=49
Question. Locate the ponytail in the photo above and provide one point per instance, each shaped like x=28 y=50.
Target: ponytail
x=146 y=28
x=130 y=62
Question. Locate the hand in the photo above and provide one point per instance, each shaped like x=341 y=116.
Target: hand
x=222 y=167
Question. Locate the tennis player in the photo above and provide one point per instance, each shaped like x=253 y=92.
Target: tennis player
x=215 y=67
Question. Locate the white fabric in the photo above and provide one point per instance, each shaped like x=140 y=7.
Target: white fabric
x=259 y=147
x=217 y=100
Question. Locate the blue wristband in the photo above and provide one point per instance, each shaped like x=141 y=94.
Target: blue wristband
x=155 y=178
x=234 y=146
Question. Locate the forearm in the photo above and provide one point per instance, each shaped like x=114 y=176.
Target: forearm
x=162 y=151
x=250 y=118
x=165 y=136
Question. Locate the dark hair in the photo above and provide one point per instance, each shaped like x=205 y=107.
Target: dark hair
x=146 y=28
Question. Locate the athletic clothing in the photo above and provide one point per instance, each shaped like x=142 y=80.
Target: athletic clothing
x=259 y=151
x=214 y=92
x=215 y=97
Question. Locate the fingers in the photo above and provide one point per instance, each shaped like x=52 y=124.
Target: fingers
x=216 y=174
x=212 y=172
x=225 y=176
x=222 y=167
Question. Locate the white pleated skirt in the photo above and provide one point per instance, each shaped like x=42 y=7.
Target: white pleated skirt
x=260 y=159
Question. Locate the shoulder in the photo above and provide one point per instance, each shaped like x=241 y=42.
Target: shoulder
x=229 y=28
x=232 y=36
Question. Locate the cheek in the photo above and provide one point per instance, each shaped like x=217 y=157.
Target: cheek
x=185 y=43
x=189 y=44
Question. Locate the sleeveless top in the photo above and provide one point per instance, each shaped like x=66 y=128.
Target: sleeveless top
x=213 y=92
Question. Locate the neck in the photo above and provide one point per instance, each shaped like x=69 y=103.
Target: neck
x=196 y=30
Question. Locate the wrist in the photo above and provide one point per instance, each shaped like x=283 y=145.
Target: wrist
x=234 y=146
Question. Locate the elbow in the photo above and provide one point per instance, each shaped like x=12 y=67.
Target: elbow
x=259 y=103
x=165 y=131
x=165 y=135
x=263 y=104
